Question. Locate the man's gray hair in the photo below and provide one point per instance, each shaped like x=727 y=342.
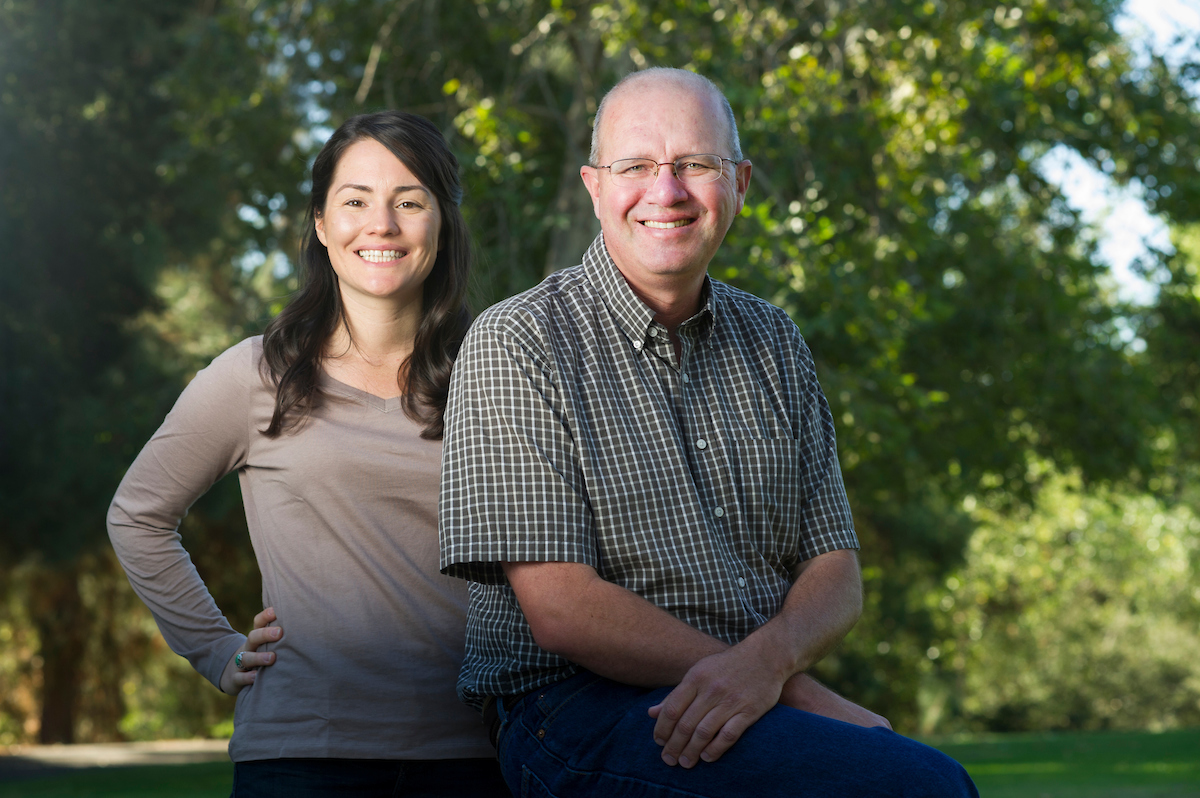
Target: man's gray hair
x=679 y=76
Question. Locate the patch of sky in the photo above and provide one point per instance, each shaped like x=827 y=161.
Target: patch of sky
x=1126 y=230
x=252 y=260
x=1166 y=27
x=321 y=133
x=252 y=216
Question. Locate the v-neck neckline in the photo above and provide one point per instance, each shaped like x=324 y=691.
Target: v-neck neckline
x=387 y=405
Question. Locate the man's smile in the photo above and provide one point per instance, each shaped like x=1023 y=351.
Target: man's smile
x=668 y=225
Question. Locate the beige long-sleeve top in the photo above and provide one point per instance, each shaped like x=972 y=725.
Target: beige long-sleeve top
x=343 y=519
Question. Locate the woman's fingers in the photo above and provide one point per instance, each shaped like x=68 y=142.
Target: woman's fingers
x=243 y=667
x=263 y=633
x=264 y=618
x=249 y=660
x=262 y=636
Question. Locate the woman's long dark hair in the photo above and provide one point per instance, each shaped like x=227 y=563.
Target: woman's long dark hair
x=294 y=341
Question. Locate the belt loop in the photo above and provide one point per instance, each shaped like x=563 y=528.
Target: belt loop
x=494 y=716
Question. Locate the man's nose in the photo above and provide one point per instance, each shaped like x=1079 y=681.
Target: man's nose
x=667 y=188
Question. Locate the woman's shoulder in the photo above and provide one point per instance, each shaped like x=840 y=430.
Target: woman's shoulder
x=239 y=364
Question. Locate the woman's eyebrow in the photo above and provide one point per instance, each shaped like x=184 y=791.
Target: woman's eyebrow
x=369 y=190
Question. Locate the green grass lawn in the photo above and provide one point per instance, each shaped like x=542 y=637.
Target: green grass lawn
x=1087 y=765
x=203 y=780
x=1081 y=765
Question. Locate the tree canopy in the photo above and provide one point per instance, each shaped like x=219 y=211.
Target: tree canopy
x=974 y=352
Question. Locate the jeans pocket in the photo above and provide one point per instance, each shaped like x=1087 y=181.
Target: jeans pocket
x=557 y=698
x=532 y=786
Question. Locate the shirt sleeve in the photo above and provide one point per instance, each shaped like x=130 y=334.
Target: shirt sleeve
x=203 y=438
x=827 y=521
x=512 y=487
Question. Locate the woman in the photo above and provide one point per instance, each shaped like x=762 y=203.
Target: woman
x=333 y=421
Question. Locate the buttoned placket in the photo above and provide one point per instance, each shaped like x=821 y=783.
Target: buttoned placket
x=709 y=462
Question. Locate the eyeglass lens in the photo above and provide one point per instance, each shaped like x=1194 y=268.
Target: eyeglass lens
x=689 y=169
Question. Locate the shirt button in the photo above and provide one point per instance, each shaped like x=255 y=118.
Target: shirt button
x=653 y=333
x=741 y=582
x=701 y=444
x=719 y=512
x=637 y=345
x=686 y=379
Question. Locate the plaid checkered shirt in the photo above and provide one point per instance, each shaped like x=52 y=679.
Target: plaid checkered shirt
x=573 y=434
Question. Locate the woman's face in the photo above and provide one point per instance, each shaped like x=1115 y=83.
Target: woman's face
x=380 y=225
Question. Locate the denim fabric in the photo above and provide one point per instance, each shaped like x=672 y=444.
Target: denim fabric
x=368 y=778
x=588 y=736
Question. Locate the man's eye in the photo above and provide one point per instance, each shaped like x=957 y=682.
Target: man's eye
x=633 y=169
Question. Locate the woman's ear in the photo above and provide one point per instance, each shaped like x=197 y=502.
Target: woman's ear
x=319 y=225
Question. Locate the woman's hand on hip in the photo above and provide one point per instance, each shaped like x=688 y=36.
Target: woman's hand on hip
x=242 y=668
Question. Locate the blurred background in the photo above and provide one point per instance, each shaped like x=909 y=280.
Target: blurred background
x=984 y=217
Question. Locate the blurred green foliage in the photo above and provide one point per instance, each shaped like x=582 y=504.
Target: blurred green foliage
x=1079 y=612
x=989 y=387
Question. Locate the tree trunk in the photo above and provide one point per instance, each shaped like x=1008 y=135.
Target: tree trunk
x=575 y=224
x=58 y=615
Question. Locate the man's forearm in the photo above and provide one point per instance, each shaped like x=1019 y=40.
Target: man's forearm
x=605 y=628
x=822 y=605
x=620 y=635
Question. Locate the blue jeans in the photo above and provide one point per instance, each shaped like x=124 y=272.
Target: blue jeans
x=589 y=736
x=368 y=778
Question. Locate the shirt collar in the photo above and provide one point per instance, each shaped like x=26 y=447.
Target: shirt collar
x=632 y=315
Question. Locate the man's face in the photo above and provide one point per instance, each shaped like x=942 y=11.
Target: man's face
x=664 y=235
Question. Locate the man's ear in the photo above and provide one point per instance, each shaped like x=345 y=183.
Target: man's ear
x=591 y=179
x=741 y=183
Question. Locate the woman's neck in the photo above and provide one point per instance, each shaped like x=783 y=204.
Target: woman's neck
x=368 y=349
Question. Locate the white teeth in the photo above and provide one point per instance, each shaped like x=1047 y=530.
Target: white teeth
x=378 y=255
x=667 y=225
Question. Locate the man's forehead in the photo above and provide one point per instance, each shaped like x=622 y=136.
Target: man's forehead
x=660 y=89
x=693 y=116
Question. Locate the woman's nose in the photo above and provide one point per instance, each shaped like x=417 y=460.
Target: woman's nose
x=384 y=220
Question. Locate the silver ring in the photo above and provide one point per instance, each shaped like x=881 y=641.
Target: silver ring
x=237 y=661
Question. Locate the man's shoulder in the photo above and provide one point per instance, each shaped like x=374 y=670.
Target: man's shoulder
x=556 y=297
x=745 y=310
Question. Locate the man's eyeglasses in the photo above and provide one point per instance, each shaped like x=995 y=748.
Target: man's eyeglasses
x=691 y=169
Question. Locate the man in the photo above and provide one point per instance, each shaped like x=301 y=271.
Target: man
x=640 y=478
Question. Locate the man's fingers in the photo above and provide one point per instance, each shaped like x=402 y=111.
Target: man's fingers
x=693 y=736
x=730 y=733
x=668 y=713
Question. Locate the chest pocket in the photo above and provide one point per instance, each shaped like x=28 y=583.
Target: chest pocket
x=773 y=476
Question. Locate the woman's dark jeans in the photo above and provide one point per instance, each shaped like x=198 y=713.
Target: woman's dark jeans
x=368 y=778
